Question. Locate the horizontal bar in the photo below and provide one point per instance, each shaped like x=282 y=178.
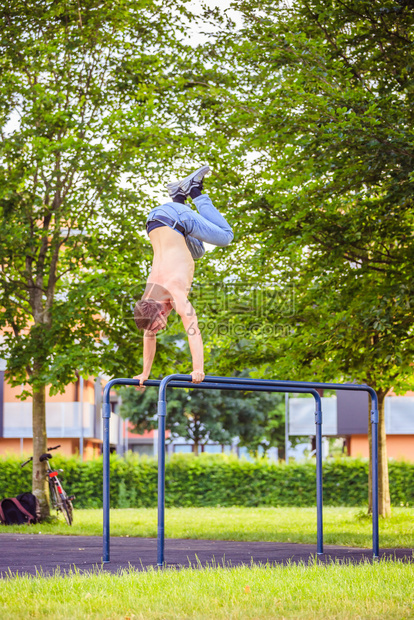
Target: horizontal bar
x=359 y=387
x=177 y=380
x=185 y=381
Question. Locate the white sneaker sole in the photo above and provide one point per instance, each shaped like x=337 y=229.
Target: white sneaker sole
x=185 y=184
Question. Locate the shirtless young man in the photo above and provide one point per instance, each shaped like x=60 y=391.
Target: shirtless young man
x=177 y=233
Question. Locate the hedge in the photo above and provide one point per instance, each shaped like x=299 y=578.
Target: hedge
x=214 y=480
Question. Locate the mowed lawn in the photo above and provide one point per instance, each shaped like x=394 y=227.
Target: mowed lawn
x=367 y=591
x=342 y=526
x=333 y=592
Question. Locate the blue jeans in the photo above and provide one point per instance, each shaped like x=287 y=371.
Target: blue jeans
x=208 y=225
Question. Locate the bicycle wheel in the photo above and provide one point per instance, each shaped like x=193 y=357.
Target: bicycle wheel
x=67 y=510
x=54 y=498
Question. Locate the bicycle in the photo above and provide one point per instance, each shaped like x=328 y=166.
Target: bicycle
x=60 y=500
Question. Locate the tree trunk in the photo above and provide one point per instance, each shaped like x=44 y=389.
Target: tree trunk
x=384 y=501
x=39 y=482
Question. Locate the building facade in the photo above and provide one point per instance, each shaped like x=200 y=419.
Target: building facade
x=73 y=419
x=346 y=415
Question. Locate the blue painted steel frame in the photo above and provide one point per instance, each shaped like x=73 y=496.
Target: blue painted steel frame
x=220 y=383
x=232 y=383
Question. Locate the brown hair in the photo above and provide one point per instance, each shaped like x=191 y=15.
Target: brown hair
x=145 y=312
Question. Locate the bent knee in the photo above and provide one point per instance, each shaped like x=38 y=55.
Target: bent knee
x=228 y=238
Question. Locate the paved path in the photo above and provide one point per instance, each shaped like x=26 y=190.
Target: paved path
x=29 y=554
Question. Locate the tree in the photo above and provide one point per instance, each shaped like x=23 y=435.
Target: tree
x=87 y=121
x=256 y=420
x=318 y=109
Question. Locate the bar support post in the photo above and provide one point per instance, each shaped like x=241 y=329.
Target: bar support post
x=319 y=488
x=162 y=412
x=106 y=414
x=374 y=475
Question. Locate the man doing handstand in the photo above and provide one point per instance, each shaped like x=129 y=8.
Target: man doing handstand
x=177 y=233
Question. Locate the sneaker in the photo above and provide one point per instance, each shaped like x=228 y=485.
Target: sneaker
x=175 y=190
x=184 y=186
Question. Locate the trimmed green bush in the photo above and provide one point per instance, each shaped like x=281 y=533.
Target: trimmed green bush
x=214 y=480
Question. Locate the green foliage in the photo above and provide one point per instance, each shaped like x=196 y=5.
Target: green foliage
x=13 y=477
x=316 y=101
x=86 y=117
x=319 y=113
x=211 y=480
x=127 y=498
x=90 y=119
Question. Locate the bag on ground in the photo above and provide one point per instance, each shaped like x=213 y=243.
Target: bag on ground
x=21 y=509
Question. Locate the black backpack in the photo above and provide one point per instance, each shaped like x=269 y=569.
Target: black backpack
x=21 y=509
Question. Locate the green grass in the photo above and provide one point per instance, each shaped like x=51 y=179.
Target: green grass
x=382 y=590
x=342 y=526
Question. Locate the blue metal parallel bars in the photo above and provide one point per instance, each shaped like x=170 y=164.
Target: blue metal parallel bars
x=106 y=414
x=374 y=428
x=185 y=381
x=246 y=385
x=234 y=383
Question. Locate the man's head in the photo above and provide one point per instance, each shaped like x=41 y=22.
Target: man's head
x=151 y=315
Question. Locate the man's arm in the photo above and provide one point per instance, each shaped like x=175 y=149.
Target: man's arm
x=150 y=346
x=189 y=318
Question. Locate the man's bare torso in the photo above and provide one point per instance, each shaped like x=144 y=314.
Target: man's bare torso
x=173 y=265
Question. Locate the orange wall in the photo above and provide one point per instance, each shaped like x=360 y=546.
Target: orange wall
x=398 y=446
x=408 y=393
x=70 y=395
x=12 y=446
x=91 y=450
x=68 y=447
x=145 y=434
